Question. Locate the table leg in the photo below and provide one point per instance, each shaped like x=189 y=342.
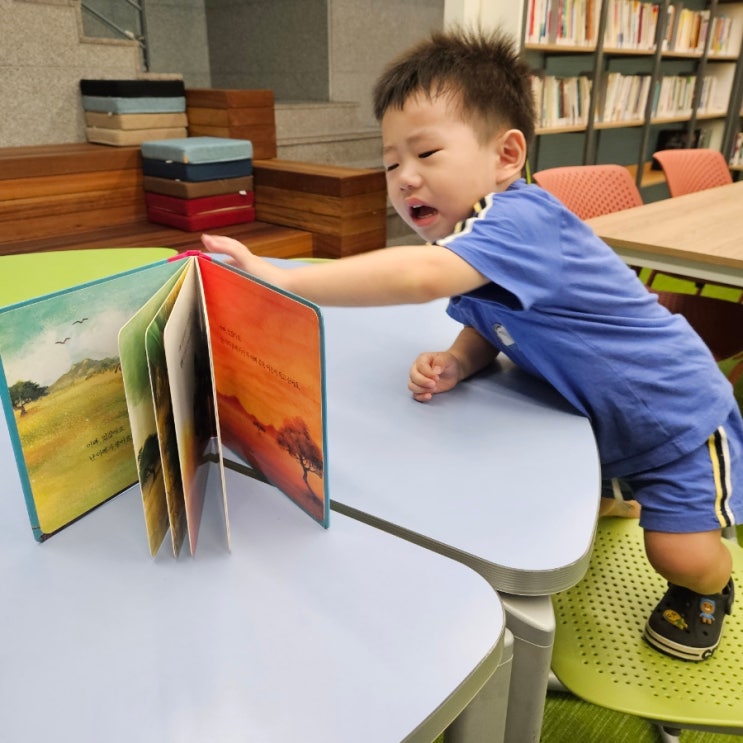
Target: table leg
x=531 y=620
x=484 y=718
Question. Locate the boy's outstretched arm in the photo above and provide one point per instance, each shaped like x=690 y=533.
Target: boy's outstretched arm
x=402 y=275
x=440 y=371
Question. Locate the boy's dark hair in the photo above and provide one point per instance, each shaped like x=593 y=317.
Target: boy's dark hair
x=483 y=71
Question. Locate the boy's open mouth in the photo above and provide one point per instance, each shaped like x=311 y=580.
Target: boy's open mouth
x=421 y=211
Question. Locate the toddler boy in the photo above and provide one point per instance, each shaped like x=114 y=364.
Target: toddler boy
x=527 y=278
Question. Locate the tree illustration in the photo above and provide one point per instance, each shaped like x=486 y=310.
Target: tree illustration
x=22 y=393
x=294 y=437
x=148 y=459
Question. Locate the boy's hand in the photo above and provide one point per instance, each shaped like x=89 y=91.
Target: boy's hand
x=433 y=372
x=238 y=254
x=241 y=257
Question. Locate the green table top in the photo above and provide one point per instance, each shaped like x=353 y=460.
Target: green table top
x=29 y=275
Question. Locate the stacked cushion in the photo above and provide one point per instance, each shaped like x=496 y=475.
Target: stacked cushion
x=197 y=183
x=129 y=112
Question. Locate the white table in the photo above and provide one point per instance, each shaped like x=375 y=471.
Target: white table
x=300 y=634
x=499 y=473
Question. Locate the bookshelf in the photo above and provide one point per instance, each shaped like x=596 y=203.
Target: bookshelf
x=614 y=80
x=733 y=142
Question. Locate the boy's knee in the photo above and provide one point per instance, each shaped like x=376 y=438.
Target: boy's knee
x=698 y=560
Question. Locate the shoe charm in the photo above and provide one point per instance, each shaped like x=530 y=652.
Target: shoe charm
x=706 y=610
x=674 y=618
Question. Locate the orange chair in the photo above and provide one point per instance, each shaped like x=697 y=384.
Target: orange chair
x=591 y=190
x=691 y=170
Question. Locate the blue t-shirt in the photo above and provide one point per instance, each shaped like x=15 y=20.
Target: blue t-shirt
x=565 y=308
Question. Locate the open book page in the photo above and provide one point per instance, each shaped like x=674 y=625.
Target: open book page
x=268 y=368
x=166 y=436
x=141 y=408
x=186 y=347
x=63 y=394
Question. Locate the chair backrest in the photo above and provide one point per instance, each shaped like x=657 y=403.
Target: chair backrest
x=690 y=170
x=591 y=190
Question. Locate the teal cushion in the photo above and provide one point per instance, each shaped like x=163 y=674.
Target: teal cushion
x=198 y=150
x=144 y=105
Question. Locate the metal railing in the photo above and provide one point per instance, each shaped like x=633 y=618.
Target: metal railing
x=117 y=19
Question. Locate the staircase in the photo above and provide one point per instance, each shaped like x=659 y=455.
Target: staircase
x=116 y=20
x=330 y=133
x=326 y=132
x=39 y=33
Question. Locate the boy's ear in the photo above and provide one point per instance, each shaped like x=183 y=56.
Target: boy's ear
x=511 y=147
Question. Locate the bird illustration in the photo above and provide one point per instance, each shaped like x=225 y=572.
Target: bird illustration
x=79 y=322
x=61 y=343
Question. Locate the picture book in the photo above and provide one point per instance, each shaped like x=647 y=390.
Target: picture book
x=155 y=375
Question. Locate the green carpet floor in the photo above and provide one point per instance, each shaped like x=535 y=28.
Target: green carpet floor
x=568 y=719
x=571 y=720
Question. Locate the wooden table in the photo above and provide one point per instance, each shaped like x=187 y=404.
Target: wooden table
x=697 y=235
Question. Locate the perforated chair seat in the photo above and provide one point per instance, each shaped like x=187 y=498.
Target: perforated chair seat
x=591 y=190
x=600 y=654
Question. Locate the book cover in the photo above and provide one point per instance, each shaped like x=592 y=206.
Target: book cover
x=152 y=374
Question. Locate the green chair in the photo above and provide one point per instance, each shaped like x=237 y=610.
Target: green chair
x=600 y=655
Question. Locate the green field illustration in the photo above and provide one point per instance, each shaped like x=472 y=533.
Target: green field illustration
x=91 y=410
x=64 y=395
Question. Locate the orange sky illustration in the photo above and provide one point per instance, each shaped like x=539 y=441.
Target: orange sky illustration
x=266 y=349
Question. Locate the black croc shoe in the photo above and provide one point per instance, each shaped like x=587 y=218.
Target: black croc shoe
x=688 y=625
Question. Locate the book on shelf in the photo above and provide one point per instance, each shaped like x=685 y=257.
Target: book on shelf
x=687 y=30
x=673 y=96
x=622 y=97
x=164 y=375
x=560 y=101
x=631 y=25
x=564 y=22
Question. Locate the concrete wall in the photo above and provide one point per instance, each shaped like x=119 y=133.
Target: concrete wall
x=281 y=45
x=41 y=62
x=178 y=40
x=311 y=50
x=365 y=37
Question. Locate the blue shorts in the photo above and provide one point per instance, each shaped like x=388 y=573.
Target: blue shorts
x=702 y=491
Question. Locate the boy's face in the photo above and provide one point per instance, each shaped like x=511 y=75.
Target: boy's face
x=436 y=167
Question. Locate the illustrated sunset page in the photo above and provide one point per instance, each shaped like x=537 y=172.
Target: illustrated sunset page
x=267 y=357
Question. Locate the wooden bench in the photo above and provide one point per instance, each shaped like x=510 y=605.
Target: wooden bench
x=344 y=208
x=82 y=195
